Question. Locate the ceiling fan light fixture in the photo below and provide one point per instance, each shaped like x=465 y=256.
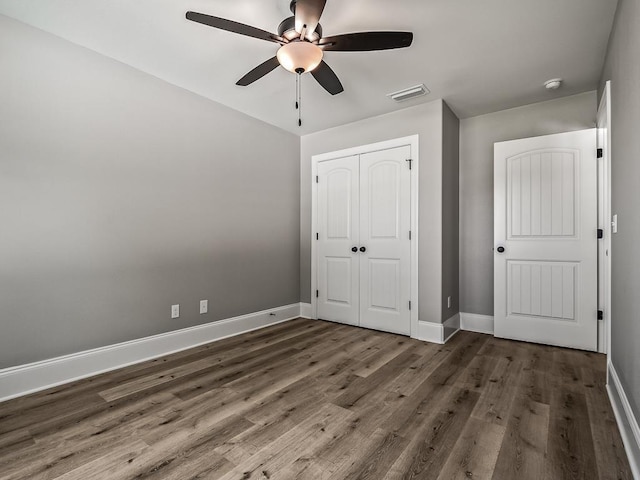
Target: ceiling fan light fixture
x=300 y=55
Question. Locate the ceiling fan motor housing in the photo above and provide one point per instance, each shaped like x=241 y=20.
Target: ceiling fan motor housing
x=302 y=45
x=287 y=29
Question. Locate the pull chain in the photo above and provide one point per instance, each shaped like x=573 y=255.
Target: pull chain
x=297 y=87
x=300 y=100
x=299 y=72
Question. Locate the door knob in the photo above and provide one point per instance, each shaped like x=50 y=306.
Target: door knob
x=500 y=249
x=354 y=249
x=363 y=249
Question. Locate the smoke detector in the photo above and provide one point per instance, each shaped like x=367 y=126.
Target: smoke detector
x=408 y=93
x=553 y=84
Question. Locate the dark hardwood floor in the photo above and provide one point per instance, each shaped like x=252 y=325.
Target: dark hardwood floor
x=316 y=400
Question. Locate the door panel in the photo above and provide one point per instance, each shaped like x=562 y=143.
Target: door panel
x=542 y=195
x=545 y=219
x=384 y=284
x=385 y=220
x=338 y=285
x=542 y=289
x=339 y=217
x=338 y=224
x=383 y=185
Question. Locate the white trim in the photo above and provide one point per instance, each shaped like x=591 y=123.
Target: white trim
x=312 y=236
x=413 y=142
x=430 y=332
x=602 y=336
x=434 y=332
x=627 y=423
x=451 y=322
x=33 y=377
x=306 y=310
x=604 y=198
x=473 y=322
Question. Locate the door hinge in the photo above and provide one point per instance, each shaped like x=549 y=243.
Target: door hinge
x=600 y=315
x=410 y=160
x=317 y=293
x=600 y=233
x=409 y=234
x=409 y=304
x=317 y=179
x=599 y=153
x=317 y=236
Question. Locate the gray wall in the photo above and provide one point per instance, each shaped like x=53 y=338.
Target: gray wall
x=425 y=120
x=622 y=67
x=450 y=211
x=121 y=195
x=477 y=136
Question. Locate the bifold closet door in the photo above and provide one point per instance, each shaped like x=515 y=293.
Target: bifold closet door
x=385 y=223
x=338 y=231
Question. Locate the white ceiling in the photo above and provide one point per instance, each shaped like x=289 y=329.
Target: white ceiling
x=480 y=56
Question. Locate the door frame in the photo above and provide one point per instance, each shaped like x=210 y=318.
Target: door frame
x=412 y=141
x=603 y=124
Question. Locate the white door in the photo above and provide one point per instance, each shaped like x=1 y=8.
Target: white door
x=545 y=240
x=363 y=243
x=338 y=237
x=385 y=219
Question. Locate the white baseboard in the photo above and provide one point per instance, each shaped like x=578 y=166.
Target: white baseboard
x=33 y=377
x=627 y=423
x=434 y=332
x=472 y=322
x=305 y=310
x=452 y=323
x=430 y=332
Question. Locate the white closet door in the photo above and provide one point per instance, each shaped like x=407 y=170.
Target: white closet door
x=385 y=220
x=545 y=265
x=338 y=223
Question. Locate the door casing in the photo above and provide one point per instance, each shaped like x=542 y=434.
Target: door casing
x=411 y=141
x=604 y=220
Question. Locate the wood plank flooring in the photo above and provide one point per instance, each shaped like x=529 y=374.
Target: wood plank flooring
x=316 y=400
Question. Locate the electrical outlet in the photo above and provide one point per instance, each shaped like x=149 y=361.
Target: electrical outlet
x=449 y=301
x=614 y=224
x=204 y=306
x=175 y=311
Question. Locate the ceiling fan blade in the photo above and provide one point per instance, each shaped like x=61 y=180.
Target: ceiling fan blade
x=258 y=72
x=327 y=78
x=235 y=27
x=308 y=14
x=366 y=41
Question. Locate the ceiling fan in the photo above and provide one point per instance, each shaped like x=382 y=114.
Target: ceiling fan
x=302 y=45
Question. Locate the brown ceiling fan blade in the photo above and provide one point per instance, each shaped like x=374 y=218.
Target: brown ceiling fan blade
x=258 y=72
x=366 y=41
x=327 y=78
x=234 y=27
x=308 y=14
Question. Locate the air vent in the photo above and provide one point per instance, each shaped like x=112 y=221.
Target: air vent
x=408 y=93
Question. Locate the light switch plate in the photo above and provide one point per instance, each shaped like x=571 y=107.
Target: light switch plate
x=614 y=224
